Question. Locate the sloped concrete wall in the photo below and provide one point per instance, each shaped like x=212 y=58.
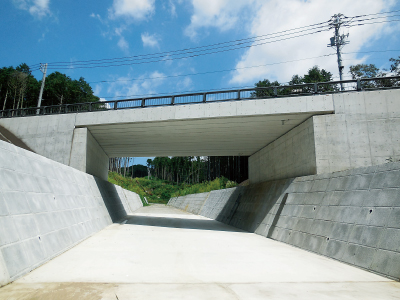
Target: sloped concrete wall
x=190 y=203
x=351 y=216
x=47 y=207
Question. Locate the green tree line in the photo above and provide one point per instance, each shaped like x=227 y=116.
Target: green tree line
x=198 y=169
x=20 y=89
x=315 y=74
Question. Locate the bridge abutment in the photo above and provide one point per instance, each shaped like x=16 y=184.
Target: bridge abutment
x=363 y=131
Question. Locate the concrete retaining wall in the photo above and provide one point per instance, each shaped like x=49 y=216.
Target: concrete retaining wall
x=352 y=216
x=47 y=207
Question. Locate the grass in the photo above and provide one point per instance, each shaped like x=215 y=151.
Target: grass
x=160 y=191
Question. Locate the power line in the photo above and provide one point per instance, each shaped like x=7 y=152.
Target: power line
x=228 y=45
x=189 y=56
x=374 y=51
x=209 y=72
x=193 y=48
x=189 y=52
x=381 y=13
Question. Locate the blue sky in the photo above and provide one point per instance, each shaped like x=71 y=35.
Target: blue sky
x=48 y=31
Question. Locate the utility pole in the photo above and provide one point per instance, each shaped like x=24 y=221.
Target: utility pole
x=338 y=41
x=43 y=68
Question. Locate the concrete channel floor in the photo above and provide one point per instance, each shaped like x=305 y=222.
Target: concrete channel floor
x=164 y=253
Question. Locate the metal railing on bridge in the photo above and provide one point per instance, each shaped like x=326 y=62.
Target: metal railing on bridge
x=365 y=84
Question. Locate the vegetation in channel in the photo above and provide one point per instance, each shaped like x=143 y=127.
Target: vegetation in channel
x=156 y=190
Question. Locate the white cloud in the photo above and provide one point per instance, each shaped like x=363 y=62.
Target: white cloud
x=172 y=8
x=37 y=8
x=185 y=83
x=123 y=44
x=98 y=17
x=132 y=9
x=147 y=83
x=222 y=14
x=97 y=89
x=283 y=15
x=260 y=17
x=149 y=40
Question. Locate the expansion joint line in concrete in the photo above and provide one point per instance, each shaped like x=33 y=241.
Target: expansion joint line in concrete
x=204 y=202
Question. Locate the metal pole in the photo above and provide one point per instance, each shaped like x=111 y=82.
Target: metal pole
x=339 y=54
x=44 y=70
x=338 y=41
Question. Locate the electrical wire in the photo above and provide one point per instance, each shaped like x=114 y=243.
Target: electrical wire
x=251 y=39
x=183 y=57
x=209 y=72
x=189 y=52
x=220 y=47
x=221 y=43
x=228 y=46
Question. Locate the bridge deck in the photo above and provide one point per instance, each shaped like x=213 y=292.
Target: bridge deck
x=164 y=253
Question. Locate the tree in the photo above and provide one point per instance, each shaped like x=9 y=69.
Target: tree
x=265 y=92
x=61 y=89
x=19 y=89
x=314 y=75
x=364 y=71
x=296 y=79
x=395 y=67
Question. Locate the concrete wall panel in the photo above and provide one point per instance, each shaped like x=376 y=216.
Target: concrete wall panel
x=47 y=207
x=293 y=154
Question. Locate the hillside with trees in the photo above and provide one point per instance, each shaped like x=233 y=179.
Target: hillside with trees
x=20 y=89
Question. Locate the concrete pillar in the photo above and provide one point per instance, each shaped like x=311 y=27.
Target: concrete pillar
x=87 y=155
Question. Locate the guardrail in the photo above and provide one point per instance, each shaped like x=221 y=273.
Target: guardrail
x=208 y=97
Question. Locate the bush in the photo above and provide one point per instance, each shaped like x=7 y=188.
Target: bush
x=160 y=191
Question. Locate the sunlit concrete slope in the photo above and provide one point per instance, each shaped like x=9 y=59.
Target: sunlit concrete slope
x=164 y=253
x=47 y=208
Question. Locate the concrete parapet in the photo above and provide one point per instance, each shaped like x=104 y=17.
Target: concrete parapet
x=47 y=207
x=352 y=216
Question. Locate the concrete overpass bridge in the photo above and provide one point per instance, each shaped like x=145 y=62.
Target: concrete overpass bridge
x=286 y=131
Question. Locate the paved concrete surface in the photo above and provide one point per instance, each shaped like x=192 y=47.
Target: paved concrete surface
x=164 y=253
x=352 y=216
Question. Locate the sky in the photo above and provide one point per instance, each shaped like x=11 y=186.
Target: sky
x=104 y=41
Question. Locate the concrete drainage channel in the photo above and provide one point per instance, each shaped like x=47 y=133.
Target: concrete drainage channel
x=118 y=249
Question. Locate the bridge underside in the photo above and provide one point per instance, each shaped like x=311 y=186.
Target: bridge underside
x=284 y=137
x=228 y=136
